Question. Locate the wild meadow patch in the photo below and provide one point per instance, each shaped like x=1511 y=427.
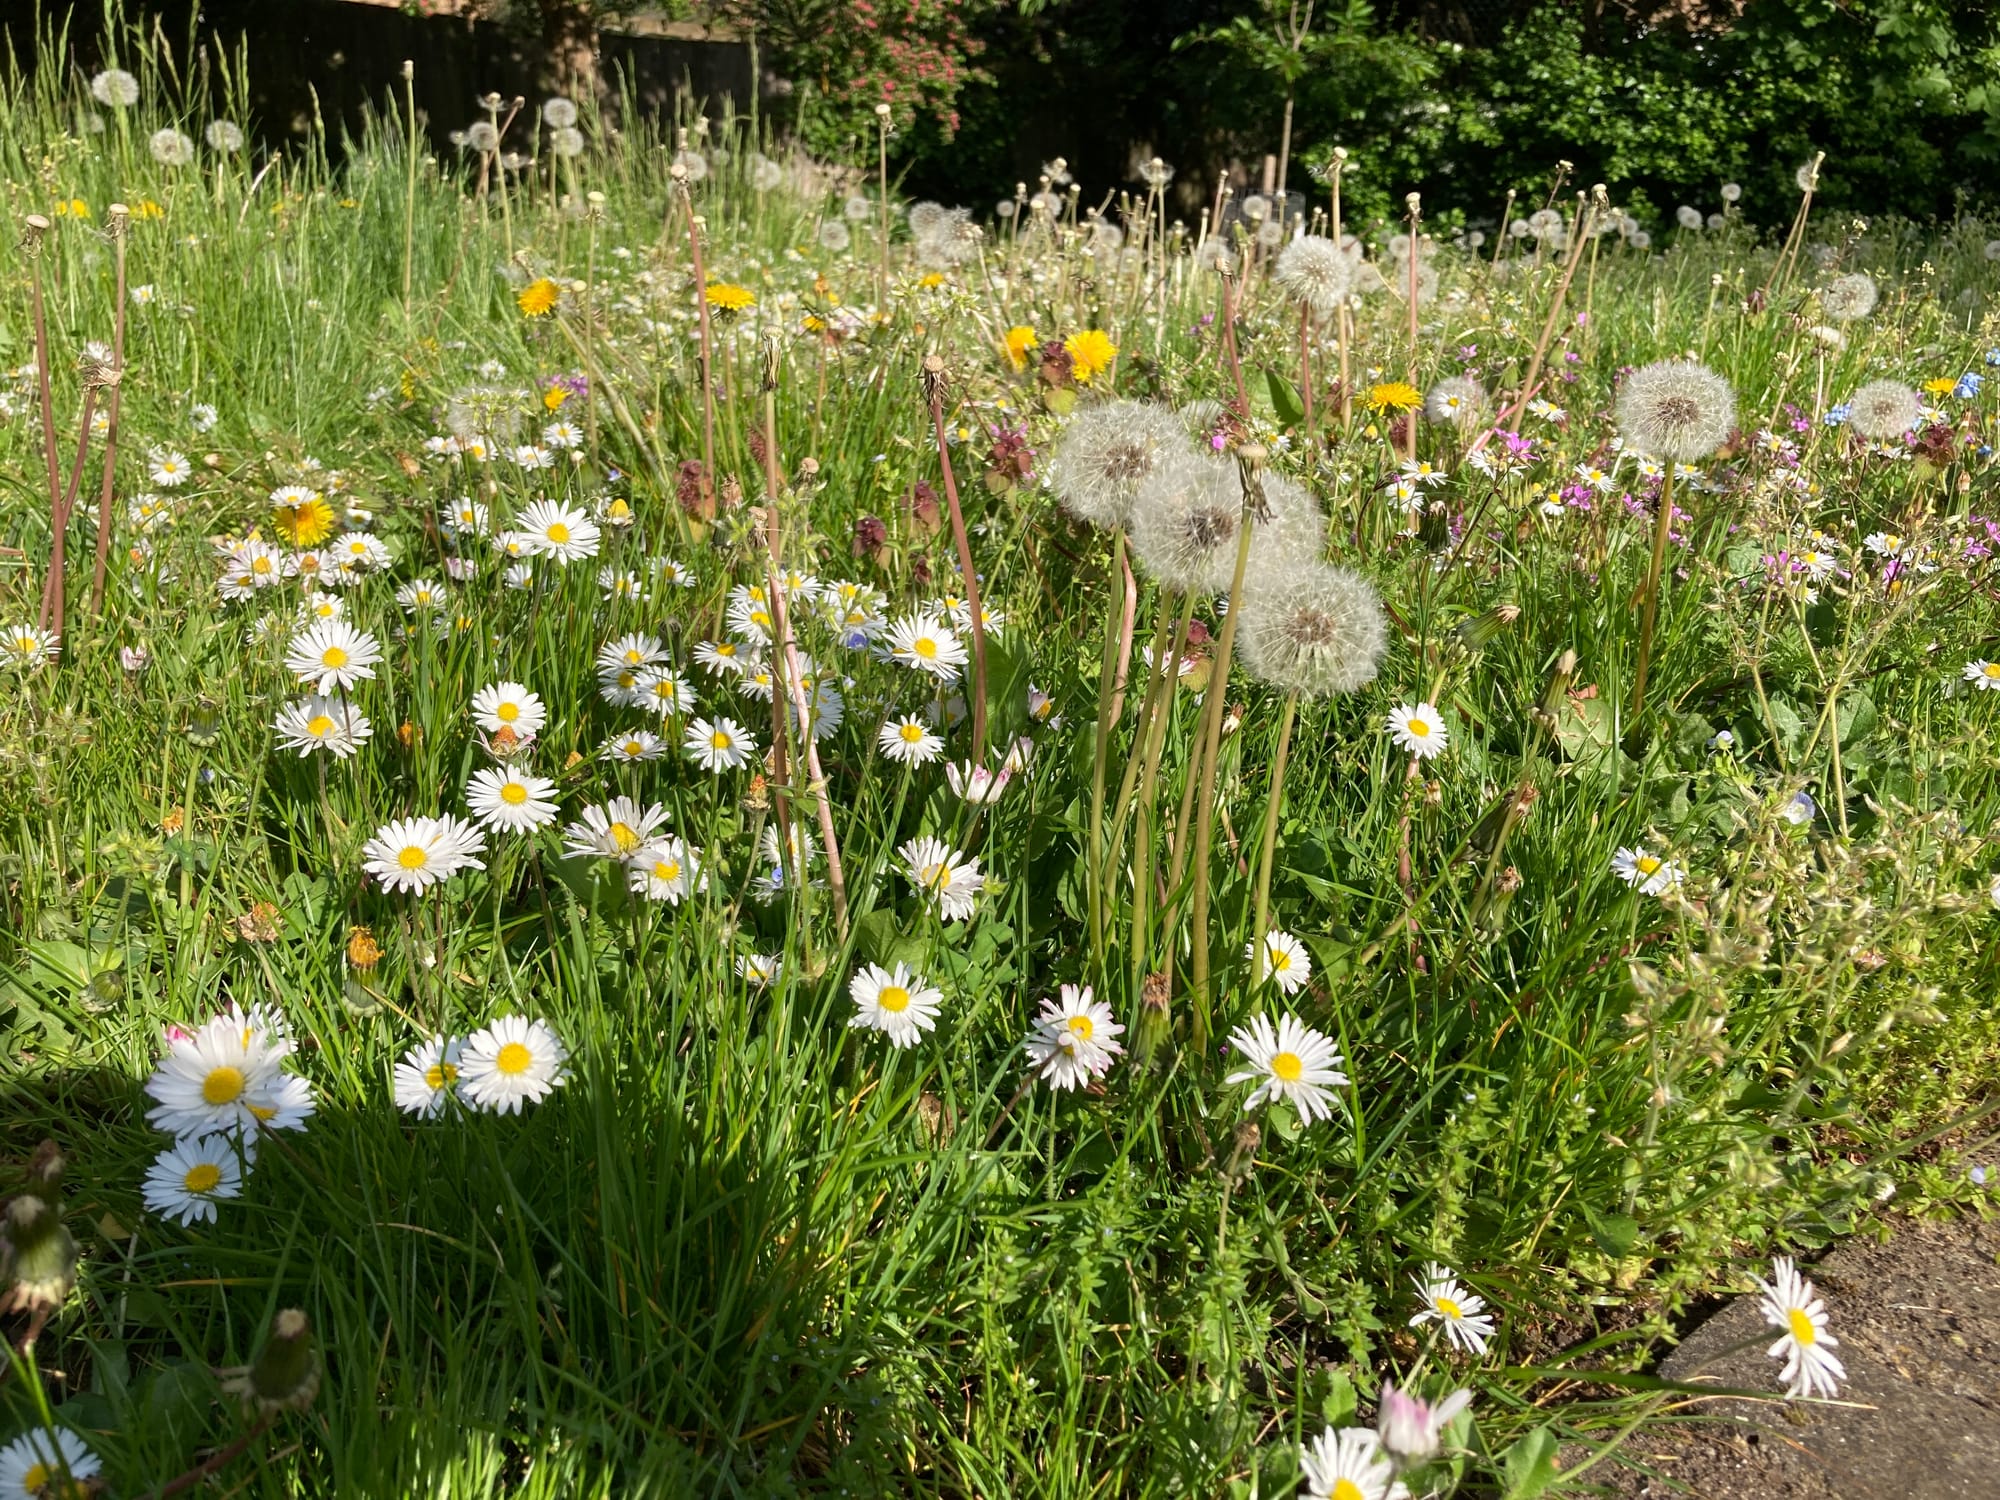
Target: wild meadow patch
x=673 y=827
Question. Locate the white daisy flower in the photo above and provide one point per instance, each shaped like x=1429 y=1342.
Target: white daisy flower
x=718 y=744
x=1074 y=1039
x=943 y=877
x=760 y=969
x=421 y=596
x=45 y=1464
x=1983 y=675
x=664 y=870
x=621 y=583
x=188 y=1177
x=253 y=565
x=1349 y=1465
x=922 y=642
x=169 y=470
x=360 y=551
x=560 y=531
x=632 y=746
x=514 y=1061
x=909 y=741
x=617 y=830
x=1790 y=1303
x=533 y=456
x=895 y=1002
x=466 y=516
x=721 y=658
x=750 y=613
x=1285 y=961
x=26 y=647
x=562 y=435
x=321 y=723
x=976 y=784
x=331 y=654
x=510 y=800
x=1651 y=874
x=427 y=1077
x=1461 y=1313
x=1291 y=1062
x=509 y=705
x=322 y=606
x=225 y=1078
x=1419 y=729
x=414 y=854
x=629 y=653
x=665 y=691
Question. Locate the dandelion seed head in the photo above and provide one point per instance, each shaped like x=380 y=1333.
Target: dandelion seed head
x=1106 y=453
x=1884 y=410
x=1676 y=410
x=1314 y=628
x=1313 y=272
x=1846 y=298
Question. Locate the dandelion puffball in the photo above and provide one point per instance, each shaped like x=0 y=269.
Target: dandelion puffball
x=1313 y=628
x=1106 y=453
x=1676 y=410
x=1884 y=410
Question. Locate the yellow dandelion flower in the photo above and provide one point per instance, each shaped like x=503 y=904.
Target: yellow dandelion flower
x=1394 y=395
x=1090 y=354
x=729 y=297
x=1940 y=387
x=931 y=278
x=303 y=522
x=1019 y=340
x=72 y=208
x=146 y=208
x=538 y=298
x=554 y=396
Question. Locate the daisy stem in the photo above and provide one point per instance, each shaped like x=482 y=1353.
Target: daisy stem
x=1306 y=368
x=1662 y=520
x=1249 y=461
x=1273 y=803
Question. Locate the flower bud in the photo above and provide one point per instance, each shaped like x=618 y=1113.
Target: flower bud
x=1481 y=629
x=37 y=1257
x=285 y=1374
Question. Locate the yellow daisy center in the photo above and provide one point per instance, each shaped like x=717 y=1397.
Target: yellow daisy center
x=414 y=857
x=558 y=532
x=263 y=1111
x=1448 y=1307
x=513 y=1058
x=223 y=1085
x=1991 y=669
x=202 y=1177
x=1280 y=959
x=926 y=648
x=261 y=565
x=333 y=657
x=912 y=734
x=1287 y=1067
x=893 y=998
x=1419 y=728
x=719 y=740
x=319 y=726
x=634 y=748
x=666 y=869
x=1082 y=1028
x=1645 y=864
x=625 y=837
x=438 y=1075
x=1803 y=1332
x=513 y=793
x=507 y=713
x=1346 y=1489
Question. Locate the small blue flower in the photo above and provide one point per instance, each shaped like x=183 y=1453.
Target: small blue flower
x=1993 y=356
x=1835 y=415
x=1800 y=810
x=1968 y=386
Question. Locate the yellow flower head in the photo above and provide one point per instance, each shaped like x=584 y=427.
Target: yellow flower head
x=1019 y=340
x=1394 y=395
x=1090 y=354
x=931 y=278
x=1940 y=387
x=305 y=523
x=73 y=208
x=538 y=298
x=554 y=396
x=146 y=208
x=728 y=297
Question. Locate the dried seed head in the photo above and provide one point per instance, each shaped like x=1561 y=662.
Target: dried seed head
x=1313 y=628
x=1884 y=410
x=1676 y=410
x=285 y=1374
x=1106 y=453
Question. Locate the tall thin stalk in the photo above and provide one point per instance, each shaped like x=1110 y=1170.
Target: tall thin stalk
x=410 y=184
x=118 y=222
x=1274 y=802
x=679 y=175
x=1662 y=520
x=936 y=381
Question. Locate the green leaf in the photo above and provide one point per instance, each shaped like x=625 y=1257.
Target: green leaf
x=1615 y=1234
x=1285 y=400
x=1529 y=1466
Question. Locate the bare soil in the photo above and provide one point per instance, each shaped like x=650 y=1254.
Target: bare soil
x=1918 y=1319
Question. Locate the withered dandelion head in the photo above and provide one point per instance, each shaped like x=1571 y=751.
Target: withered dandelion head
x=1676 y=409
x=1313 y=628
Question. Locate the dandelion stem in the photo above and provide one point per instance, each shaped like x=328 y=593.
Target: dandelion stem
x=1662 y=520
x=934 y=385
x=1109 y=702
x=410 y=185
x=118 y=224
x=1249 y=462
x=1273 y=803
x=701 y=313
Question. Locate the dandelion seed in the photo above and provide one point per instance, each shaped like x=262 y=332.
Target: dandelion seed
x=1676 y=410
x=115 y=87
x=1314 y=272
x=1314 y=628
x=1849 y=297
x=170 y=148
x=1106 y=453
x=1883 y=410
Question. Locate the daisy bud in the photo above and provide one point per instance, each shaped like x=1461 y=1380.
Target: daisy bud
x=285 y=1374
x=37 y=1257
